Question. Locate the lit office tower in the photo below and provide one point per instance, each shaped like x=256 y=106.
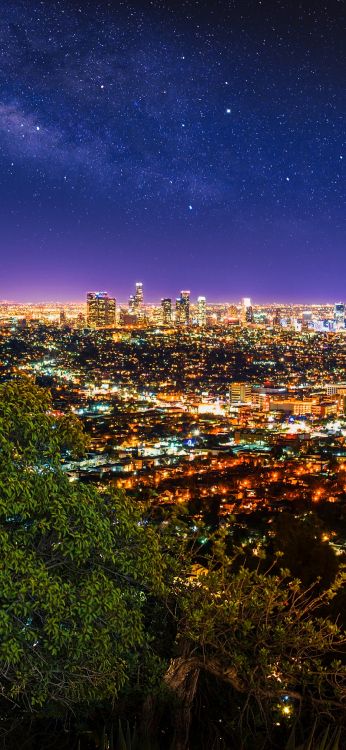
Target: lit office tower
x=138 y=304
x=178 y=311
x=201 y=311
x=132 y=304
x=62 y=318
x=339 y=316
x=101 y=310
x=306 y=318
x=166 y=311
x=182 y=309
x=240 y=393
x=249 y=314
x=277 y=317
x=246 y=310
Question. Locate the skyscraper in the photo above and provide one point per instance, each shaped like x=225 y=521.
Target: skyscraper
x=62 y=318
x=166 y=311
x=339 y=316
x=132 y=304
x=101 y=310
x=182 y=309
x=277 y=317
x=246 y=310
x=201 y=312
x=138 y=303
x=306 y=318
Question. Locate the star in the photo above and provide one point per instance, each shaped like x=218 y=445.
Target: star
x=124 y=156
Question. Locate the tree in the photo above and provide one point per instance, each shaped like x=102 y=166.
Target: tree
x=260 y=634
x=305 y=553
x=92 y=592
x=75 y=565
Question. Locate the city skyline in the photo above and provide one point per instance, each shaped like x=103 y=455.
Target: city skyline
x=173 y=374
x=151 y=301
x=124 y=300
x=198 y=146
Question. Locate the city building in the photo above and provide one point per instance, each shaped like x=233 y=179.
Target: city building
x=62 y=318
x=201 y=312
x=138 y=298
x=182 y=309
x=297 y=407
x=101 y=310
x=246 y=310
x=240 y=393
x=333 y=389
x=166 y=311
x=306 y=318
x=132 y=304
x=277 y=318
x=80 y=320
x=339 y=316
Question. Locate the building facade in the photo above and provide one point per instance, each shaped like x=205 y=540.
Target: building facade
x=101 y=310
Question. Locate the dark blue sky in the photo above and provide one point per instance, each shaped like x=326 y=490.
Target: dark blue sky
x=190 y=145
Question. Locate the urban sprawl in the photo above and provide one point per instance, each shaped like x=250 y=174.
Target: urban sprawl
x=232 y=410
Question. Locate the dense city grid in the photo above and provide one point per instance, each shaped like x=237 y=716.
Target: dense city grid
x=246 y=417
x=172 y=453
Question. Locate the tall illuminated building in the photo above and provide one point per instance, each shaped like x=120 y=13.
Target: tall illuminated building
x=240 y=393
x=132 y=309
x=306 y=318
x=178 y=312
x=246 y=310
x=80 y=321
x=182 y=309
x=101 y=310
x=166 y=311
x=339 y=316
x=62 y=319
x=277 y=317
x=249 y=316
x=138 y=299
x=201 y=312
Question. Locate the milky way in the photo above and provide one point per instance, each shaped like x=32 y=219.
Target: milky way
x=197 y=146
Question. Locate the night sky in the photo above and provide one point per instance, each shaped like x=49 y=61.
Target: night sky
x=196 y=145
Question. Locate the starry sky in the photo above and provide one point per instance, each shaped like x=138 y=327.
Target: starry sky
x=197 y=145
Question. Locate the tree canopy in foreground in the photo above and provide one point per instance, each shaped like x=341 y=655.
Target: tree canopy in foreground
x=74 y=564
x=93 y=594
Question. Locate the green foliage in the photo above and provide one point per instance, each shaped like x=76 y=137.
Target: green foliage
x=263 y=635
x=304 y=552
x=76 y=565
x=29 y=429
x=95 y=598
